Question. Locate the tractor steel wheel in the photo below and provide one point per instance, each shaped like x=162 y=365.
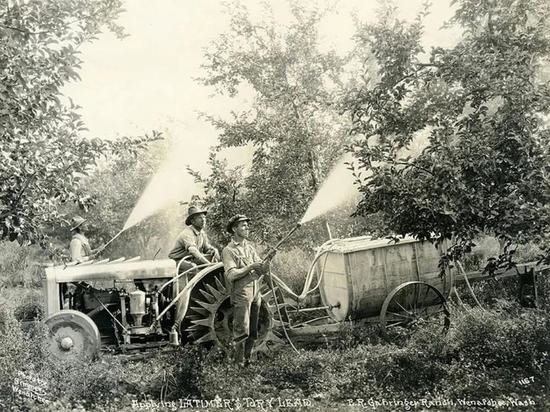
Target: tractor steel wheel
x=73 y=335
x=209 y=319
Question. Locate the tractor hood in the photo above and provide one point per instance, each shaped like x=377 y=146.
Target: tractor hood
x=138 y=269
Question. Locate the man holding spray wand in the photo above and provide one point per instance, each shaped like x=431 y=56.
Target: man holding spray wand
x=243 y=268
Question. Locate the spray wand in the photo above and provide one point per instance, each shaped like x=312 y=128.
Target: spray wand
x=274 y=250
x=102 y=248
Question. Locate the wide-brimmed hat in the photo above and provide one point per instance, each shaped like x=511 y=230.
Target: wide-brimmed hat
x=76 y=221
x=193 y=210
x=234 y=220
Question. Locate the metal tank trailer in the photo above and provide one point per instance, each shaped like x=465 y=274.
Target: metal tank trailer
x=129 y=305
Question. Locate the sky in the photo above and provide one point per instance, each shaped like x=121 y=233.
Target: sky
x=148 y=80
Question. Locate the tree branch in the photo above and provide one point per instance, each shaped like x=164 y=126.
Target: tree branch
x=66 y=25
x=407 y=165
x=20 y=30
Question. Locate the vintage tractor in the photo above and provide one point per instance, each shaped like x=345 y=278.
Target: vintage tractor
x=129 y=305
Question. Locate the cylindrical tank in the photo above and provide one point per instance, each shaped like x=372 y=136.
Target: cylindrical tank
x=137 y=306
x=358 y=273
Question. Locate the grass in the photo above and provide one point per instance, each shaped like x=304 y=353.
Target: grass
x=500 y=353
x=292 y=267
x=486 y=354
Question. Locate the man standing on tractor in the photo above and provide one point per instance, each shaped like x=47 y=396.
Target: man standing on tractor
x=79 y=247
x=243 y=268
x=192 y=248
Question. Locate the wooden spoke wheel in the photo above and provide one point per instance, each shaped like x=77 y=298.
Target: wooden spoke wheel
x=412 y=304
x=73 y=335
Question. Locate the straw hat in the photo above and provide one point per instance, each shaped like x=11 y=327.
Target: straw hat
x=76 y=221
x=193 y=210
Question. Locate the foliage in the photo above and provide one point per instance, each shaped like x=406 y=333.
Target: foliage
x=497 y=349
x=427 y=365
x=113 y=192
x=224 y=195
x=18 y=265
x=293 y=123
x=292 y=266
x=13 y=351
x=517 y=342
x=477 y=109
x=30 y=307
x=43 y=155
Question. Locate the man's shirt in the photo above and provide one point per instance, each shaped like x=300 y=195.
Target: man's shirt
x=189 y=238
x=80 y=248
x=237 y=256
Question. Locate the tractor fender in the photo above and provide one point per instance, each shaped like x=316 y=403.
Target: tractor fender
x=196 y=281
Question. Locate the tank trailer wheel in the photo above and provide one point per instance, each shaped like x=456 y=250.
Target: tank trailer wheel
x=73 y=335
x=209 y=320
x=412 y=304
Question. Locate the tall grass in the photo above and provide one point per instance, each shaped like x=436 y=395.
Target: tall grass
x=19 y=265
x=292 y=267
x=487 y=353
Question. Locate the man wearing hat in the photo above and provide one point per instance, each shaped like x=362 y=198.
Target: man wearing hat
x=80 y=251
x=193 y=242
x=243 y=267
x=80 y=246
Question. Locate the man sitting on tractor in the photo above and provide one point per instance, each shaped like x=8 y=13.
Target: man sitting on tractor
x=192 y=248
x=192 y=243
x=243 y=267
x=79 y=248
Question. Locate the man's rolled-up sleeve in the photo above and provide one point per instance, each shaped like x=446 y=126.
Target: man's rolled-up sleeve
x=229 y=263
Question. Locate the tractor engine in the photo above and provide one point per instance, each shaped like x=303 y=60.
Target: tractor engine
x=124 y=314
x=110 y=305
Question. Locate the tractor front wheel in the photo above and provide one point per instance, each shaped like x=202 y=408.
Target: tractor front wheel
x=73 y=335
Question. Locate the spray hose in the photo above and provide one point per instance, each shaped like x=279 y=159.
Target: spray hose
x=181 y=293
x=323 y=250
x=307 y=285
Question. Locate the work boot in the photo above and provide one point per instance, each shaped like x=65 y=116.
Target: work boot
x=238 y=353
x=248 y=346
